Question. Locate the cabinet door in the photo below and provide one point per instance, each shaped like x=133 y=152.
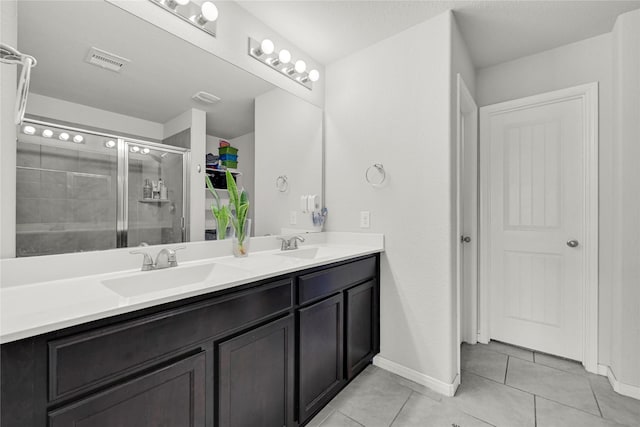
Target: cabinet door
x=360 y=327
x=170 y=396
x=256 y=377
x=321 y=364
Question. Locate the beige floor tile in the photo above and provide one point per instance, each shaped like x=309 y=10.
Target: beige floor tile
x=552 y=414
x=338 y=419
x=481 y=361
x=563 y=387
x=519 y=352
x=321 y=416
x=622 y=409
x=566 y=365
x=420 y=411
x=372 y=399
x=493 y=403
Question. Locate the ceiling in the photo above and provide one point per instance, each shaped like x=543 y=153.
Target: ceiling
x=495 y=30
x=156 y=85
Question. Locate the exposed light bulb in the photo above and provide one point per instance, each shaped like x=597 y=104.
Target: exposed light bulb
x=314 y=75
x=64 y=136
x=110 y=144
x=78 y=139
x=300 y=66
x=267 y=47
x=145 y=151
x=135 y=149
x=29 y=130
x=208 y=13
x=284 y=56
x=47 y=133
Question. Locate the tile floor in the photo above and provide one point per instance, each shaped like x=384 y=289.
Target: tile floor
x=501 y=386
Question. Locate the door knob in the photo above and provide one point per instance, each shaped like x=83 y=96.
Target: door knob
x=465 y=239
x=572 y=243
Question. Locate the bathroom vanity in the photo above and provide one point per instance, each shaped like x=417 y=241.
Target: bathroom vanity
x=269 y=352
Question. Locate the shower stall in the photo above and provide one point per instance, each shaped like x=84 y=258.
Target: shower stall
x=80 y=190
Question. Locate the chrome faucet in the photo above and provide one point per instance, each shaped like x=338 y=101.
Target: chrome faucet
x=166 y=258
x=290 y=243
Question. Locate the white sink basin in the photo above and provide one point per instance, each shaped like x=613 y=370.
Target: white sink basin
x=158 y=280
x=306 y=253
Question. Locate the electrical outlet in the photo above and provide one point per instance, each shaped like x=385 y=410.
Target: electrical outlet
x=293 y=217
x=364 y=219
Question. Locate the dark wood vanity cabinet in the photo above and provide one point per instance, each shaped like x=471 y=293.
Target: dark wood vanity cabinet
x=321 y=354
x=173 y=395
x=256 y=377
x=270 y=353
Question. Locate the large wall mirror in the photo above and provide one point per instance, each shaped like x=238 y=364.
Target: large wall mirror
x=99 y=137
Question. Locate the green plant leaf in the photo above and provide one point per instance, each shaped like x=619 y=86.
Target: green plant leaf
x=234 y=199
x=213 y=191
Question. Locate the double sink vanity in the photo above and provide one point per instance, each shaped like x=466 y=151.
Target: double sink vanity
x=265 y=340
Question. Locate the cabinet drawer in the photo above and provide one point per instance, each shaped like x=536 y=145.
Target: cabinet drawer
x=322 y=283
x=170 y=396
x=93 y=358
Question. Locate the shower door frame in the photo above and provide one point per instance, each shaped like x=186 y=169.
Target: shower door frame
x=122 y=227
x=122 y=169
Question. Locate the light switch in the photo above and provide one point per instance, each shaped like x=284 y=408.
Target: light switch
x=364 y=219
x=293 y=217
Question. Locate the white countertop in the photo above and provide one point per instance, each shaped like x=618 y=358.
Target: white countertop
x=29 y=308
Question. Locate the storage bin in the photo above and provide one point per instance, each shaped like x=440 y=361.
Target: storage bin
x=227 y=150
x=231 y=157
x=230 y=164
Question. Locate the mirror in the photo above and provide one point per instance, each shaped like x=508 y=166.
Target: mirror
x=142 y=88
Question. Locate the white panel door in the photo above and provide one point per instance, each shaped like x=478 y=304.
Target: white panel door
x=536 y=200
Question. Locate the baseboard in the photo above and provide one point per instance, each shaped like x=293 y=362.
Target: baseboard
x=619 y=387
x=417 y=377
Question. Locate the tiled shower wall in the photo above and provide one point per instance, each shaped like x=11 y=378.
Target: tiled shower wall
x=66 y=200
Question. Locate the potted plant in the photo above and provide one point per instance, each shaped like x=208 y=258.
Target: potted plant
x=239 y=203
x=220 y=212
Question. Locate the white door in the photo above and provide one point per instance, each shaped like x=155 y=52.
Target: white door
x=534 y=205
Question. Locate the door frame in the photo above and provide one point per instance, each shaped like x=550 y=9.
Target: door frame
x=588 y=94
x=466 y=108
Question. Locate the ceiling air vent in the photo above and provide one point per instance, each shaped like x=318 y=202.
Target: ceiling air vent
x=106 y=60
x=205 y=98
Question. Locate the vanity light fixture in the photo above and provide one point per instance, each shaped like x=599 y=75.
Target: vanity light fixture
x=281 y=61
x=78 y=139
x=145 y=151
x=63 y=136
x=47 y=133
x=201 y=14
x=110 y=143
x=29 y=130
x=134 y=149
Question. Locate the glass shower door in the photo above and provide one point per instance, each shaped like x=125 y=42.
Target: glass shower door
x=66 y=190
x=156 y=194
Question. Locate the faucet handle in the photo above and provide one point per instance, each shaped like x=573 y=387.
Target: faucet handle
x=285 y=243
x=147 y=262
x=293 y=241
x=171 y=256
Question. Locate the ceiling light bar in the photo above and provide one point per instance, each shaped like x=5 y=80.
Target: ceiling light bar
x=282 y=62
x=201 y=14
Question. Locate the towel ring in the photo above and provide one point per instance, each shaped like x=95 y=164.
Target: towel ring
x=282 y=183
x=382 y=175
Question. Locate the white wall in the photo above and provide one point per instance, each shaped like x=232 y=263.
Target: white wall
x=625 y=328
x=571 y=65
x=235 y=26
x=288 y=141
x=71 y=112
x=8 y=73
x=389 y=103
